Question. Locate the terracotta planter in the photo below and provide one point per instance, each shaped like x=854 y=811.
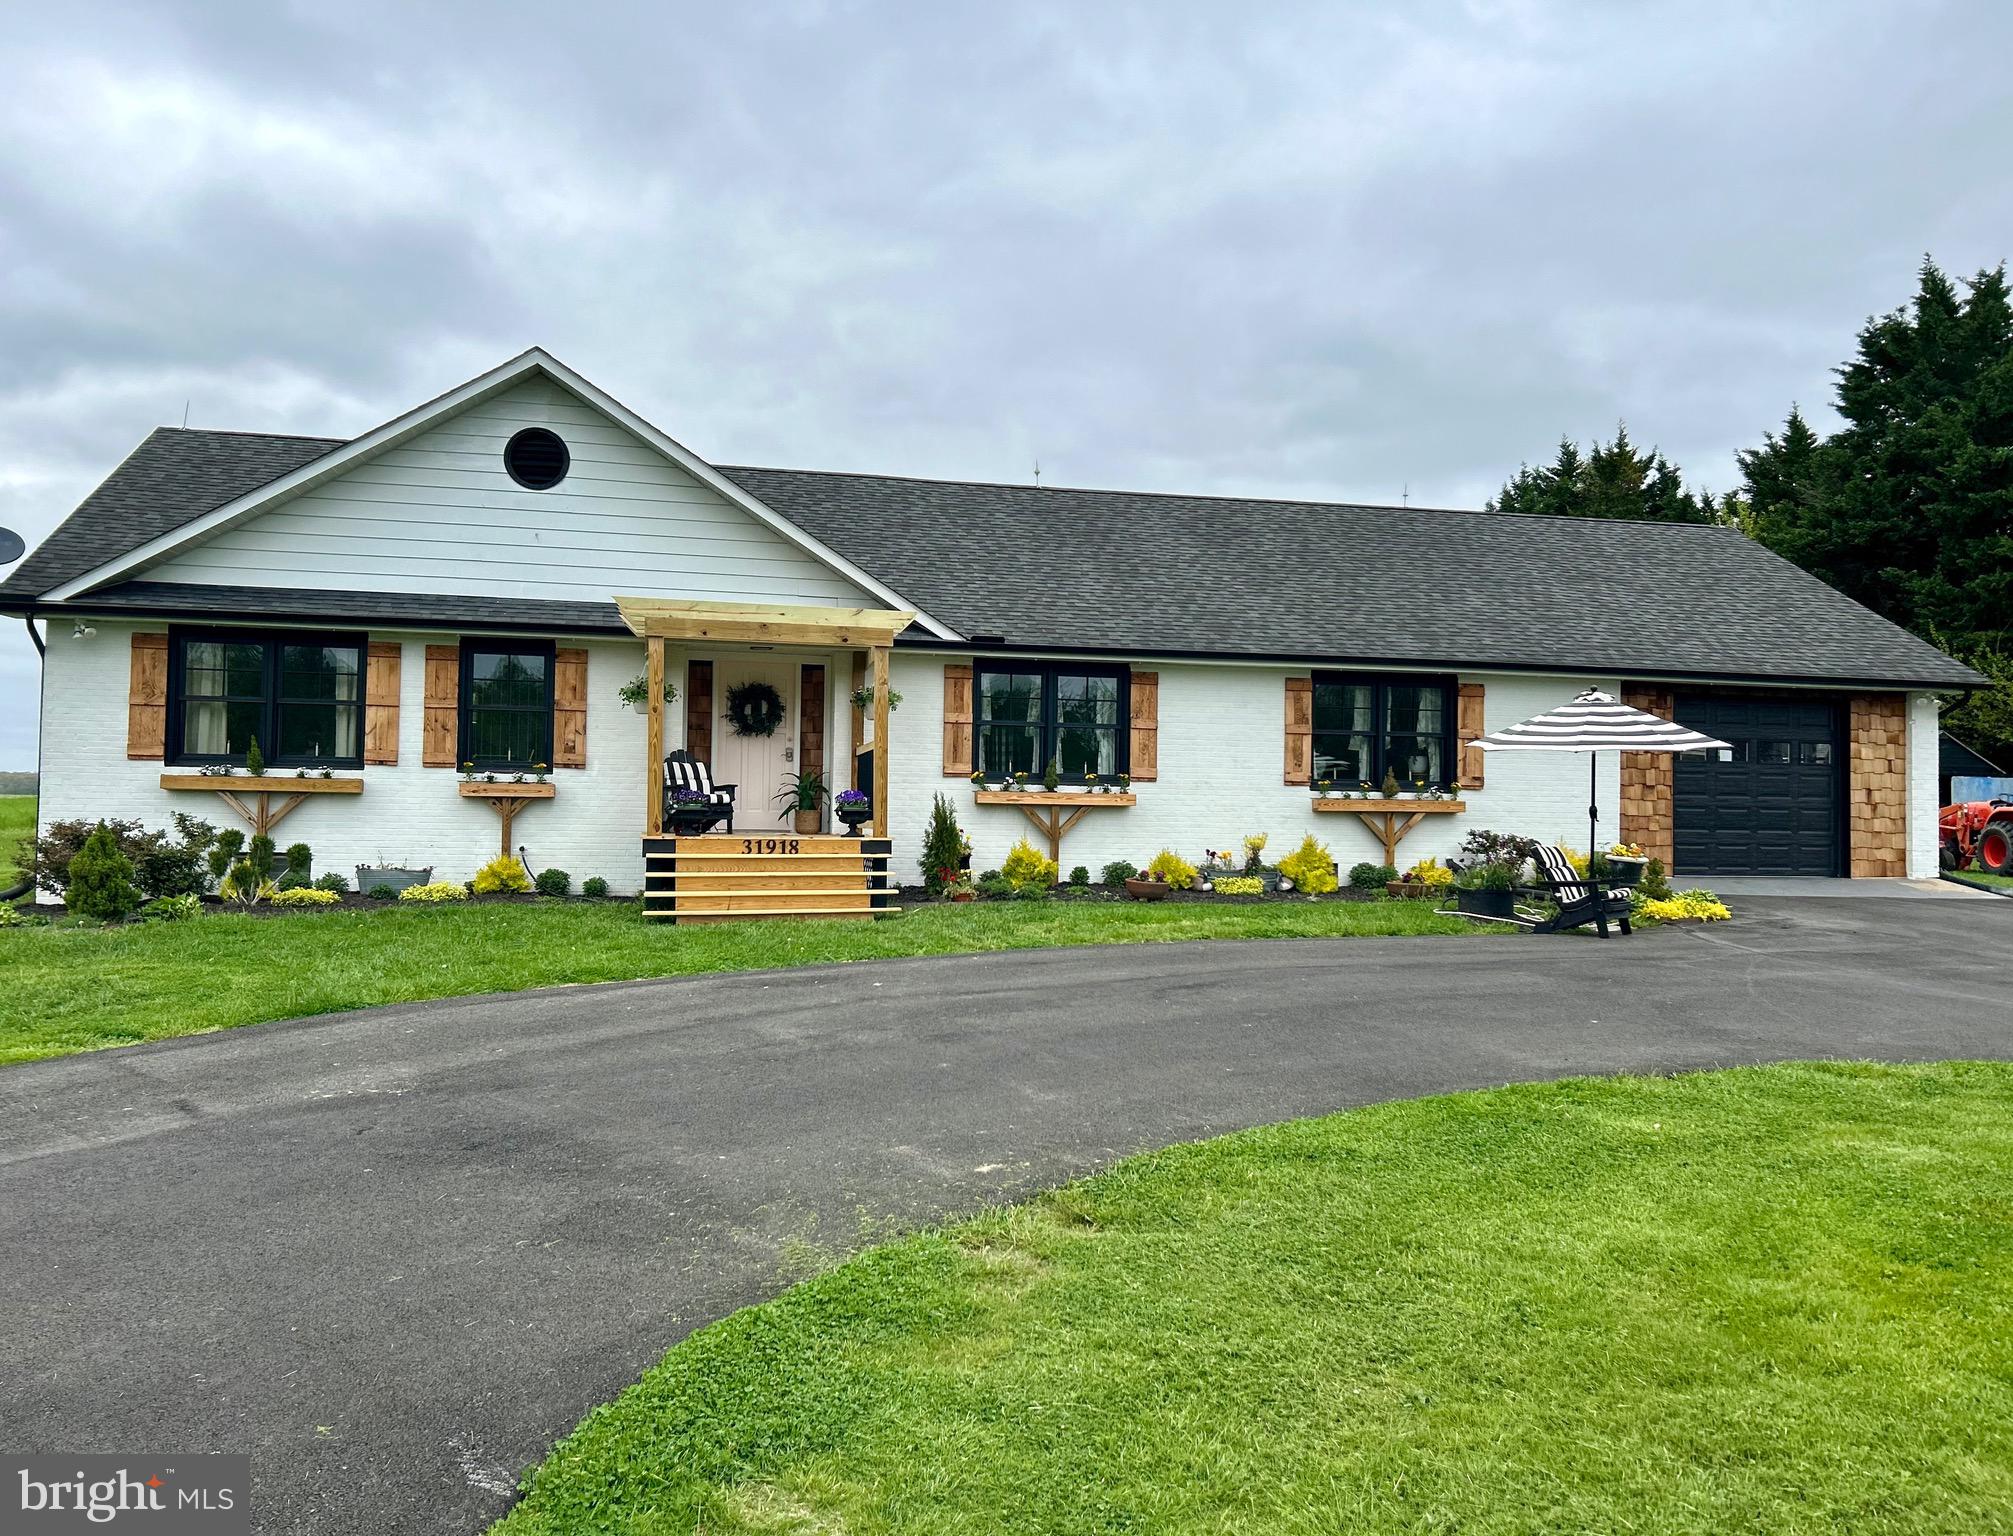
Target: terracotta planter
x=964 y=896
x=805 y=823
x=1408 y=890
x=1146 y=890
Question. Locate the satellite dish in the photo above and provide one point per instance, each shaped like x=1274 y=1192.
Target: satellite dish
x=11 y=547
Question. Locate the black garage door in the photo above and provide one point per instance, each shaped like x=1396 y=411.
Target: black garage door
x=1771 y=806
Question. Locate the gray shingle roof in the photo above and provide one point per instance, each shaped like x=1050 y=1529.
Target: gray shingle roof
x=1159 y=574
x=1146 y=575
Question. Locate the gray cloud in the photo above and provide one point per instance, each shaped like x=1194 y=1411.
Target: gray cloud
x=1317 y=250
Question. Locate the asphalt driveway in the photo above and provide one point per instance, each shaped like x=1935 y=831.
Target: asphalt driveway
x=394 y=1254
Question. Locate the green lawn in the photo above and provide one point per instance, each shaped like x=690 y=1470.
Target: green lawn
x=1771 y=1300
x=1990 y=882
x=77 y=989
x=17 y=820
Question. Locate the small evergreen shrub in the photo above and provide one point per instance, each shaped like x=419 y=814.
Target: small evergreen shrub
x=1025 y=866
x=1173 y=868
x=943 y=847
x=332 y=880
x=1080 y=875
x=1368 y=877
x=1031 y=893
x=435 y=891
x=1117 y=872
x=101 y=879
x=300 y=867
x=305 y=896
x=255 y=760
x=1310 y=867
x=245 y=886
x=382 y=892
x=553 y=882
x=259 y=854
x=594 y=886
x=501 y=875
x=994 y=886
x=224 y=853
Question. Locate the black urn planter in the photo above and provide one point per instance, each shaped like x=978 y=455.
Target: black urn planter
x=691 y=821
x=855 y=816
x=1626 y=871
x=1480 y=903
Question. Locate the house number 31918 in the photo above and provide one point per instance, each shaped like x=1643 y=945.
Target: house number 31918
x=770 y=845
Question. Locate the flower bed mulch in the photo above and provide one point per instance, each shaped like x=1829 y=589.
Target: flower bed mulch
x=915 y=893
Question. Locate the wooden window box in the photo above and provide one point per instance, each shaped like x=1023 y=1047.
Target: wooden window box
x=252 y=798
x=1063 y=808
x=1382 y=817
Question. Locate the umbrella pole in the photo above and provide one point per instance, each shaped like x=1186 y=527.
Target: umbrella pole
x=1593 y=803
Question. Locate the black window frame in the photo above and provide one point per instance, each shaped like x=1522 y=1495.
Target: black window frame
x=1048 y=726
x=539 y=433
x=1380 y=733
x=485 y=645
x=181 y=636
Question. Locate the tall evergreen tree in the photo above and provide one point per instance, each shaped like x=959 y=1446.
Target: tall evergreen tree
x=1908 y=507
x=1612 y=480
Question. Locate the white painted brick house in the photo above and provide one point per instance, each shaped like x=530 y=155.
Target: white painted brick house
x=444 y=590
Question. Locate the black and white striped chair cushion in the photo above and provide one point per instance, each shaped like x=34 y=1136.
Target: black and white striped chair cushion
x=1558 y=870
x=691 y=774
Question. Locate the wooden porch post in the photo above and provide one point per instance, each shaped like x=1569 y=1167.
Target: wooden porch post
x=883 y=767
x=653 y=771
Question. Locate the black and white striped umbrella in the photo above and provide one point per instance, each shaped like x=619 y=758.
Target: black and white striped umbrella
x=1595 y=722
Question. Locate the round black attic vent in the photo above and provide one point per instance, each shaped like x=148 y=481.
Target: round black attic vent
x=536 y=458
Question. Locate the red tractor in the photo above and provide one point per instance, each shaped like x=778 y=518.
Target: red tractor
x=1979 y=831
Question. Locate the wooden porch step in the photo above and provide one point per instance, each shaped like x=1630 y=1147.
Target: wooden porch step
x=685 y=856
x=683 y=916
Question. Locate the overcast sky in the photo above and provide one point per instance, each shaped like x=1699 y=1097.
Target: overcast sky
x=1328 y=251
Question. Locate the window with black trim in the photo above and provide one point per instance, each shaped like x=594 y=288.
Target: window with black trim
x=506 y=703
x=299 y=694
x=1368 y=726
x=1027 y=714
x=536 y=458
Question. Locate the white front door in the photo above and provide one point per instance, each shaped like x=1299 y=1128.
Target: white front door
x=756 y=765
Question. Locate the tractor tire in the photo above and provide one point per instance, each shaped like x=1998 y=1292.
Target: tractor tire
x=1947 y=856
x=1994 y=848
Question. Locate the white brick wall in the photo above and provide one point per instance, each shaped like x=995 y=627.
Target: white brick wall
x=1222 y=765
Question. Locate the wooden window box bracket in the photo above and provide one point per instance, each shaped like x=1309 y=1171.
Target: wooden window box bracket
x=253 y=798
x=1389 y=820
x=1054 y=813
x=506 y=800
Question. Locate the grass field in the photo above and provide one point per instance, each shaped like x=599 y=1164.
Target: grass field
x=76 y=989
x=1990 y=882
x=1770 y=1300
x=17 y=820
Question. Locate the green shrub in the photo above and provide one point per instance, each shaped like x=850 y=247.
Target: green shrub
x=553 y=882
x=1311 y=867
x=1117 y=872
x=594 y=885
x=305 y=896
x=101 y=879
x=436 y=891
x=300 y=867
x=1031 y=893
x=1173 y=868
x=259 y=854
x=161 y=867
x=332 y=880
x=1080 y=875
x=1655 y=884
x=501 y=875
x=12 y=916
x=1026 y=867
x=1368 y=877
x=255 y=762
x=246 y=886
x=382 y=892
x=173 y=909
x=224 y=853
x=994 y=886
x=943 y=847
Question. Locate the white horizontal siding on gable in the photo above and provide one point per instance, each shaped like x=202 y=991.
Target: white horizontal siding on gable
x=440 y=514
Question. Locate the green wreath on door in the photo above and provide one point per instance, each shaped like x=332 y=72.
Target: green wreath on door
x=754 y=709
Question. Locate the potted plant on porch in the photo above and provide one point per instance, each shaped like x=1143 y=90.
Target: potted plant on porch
x=691 y=811
x=1487 y=889
x=805 y=793
x=1627 y=864
x=853 y=808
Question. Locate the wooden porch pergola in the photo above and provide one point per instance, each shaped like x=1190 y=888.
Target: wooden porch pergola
x=658 y=619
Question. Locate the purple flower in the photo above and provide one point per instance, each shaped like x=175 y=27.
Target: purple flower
x=849 y=797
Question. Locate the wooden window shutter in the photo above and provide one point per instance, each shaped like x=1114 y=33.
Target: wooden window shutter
x=1145 y=744
x=1467 y=726
x=699 y=710
x=147 y=698
x=380 y=701
x=1299 y=730
x=958 y=720
x=569 y=707
x=443 y=706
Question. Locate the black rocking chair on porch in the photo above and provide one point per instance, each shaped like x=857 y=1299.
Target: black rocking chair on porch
x=683 y=771
x=1581 y=899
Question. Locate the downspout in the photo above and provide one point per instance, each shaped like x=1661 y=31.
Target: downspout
x=41 y=649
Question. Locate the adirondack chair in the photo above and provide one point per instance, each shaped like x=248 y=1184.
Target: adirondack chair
x=1581 y=899
x=684 y=771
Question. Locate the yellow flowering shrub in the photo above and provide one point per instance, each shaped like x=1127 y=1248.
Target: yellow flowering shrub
x=1683 y=904
x=1240 y=885
x=1430 y=873
x=1311 y=867
x=502 y=874
x=1173 y=868
x=1026 y=868
x=434 y=891
x=304 y=896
